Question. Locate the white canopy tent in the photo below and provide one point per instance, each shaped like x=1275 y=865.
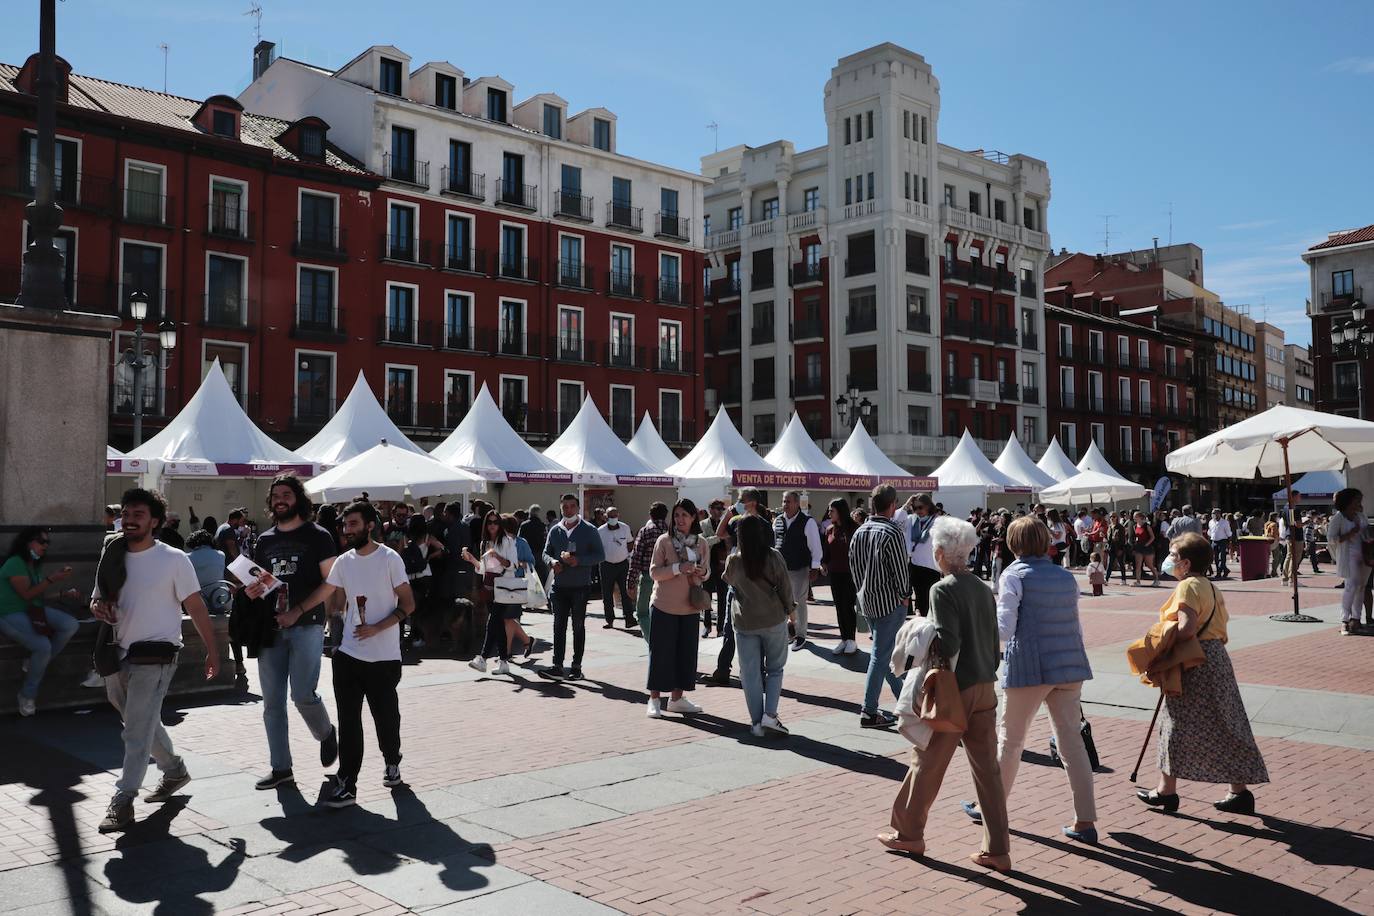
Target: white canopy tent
x=1016 y=464
x=708 y=469
x=1315 y=487
x=967 y=477
x=796 y=451
x=595 y=455
x=391 y=472
x=1091 y=487
x=649 y=446
x=485 y=444
x=861 y=455
x=358 y=425
x=1055 y=463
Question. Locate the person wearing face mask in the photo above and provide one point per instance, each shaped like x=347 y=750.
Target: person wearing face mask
x=573 y=549
x=915 y=518
x=615 y=568
x=24 y=613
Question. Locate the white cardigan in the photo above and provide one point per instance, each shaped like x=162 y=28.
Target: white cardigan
x=913 y=642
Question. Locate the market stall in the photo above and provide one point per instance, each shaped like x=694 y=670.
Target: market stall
x=605 y=471
x=388 y=472
x=968 y=479
x=711 y=468
x=649 y=446
x=1016 y=464
x=1055 y=463
x=358 y=425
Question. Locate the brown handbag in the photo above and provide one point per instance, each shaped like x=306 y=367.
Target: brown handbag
x=940 y=705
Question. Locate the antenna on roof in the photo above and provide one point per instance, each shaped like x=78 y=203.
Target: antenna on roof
x=715 y=128
x=1171 y=223
x=1106 y=232
x=165 y=48
x=255 y=10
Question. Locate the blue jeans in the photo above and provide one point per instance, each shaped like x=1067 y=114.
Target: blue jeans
x=762 y=655
x=1219 y=551
x=884 y=631
x=42 y=649
x=294 y=659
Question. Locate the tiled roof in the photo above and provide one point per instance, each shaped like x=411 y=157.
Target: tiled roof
x=175 y=112
x=1353 y=237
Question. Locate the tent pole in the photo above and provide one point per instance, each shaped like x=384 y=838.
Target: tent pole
x=1297 y=616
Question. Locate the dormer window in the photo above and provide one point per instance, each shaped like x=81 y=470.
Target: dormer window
x=601 y=134
x=390 y=76
x=496 y=105
x=445 y=91
x=312 y=142
x=225 y=124
x=553 y=122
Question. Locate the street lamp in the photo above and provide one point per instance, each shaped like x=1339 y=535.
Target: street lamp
x=849 y=405
x=1355 y=335
x=138 y=359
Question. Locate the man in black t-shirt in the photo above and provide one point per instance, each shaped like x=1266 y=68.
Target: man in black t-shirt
x=300 y=554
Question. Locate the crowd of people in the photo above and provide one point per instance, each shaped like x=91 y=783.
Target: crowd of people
x=361 y=587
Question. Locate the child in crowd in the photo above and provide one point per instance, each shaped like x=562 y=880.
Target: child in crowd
x=1097 y=573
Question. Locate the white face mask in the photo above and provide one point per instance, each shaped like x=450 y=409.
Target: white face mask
x=1167 y=567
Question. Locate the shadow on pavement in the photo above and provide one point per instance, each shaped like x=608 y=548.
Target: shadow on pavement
x=56 y=777
x=1074 y=899
x=1318 y=845
x=170 y=873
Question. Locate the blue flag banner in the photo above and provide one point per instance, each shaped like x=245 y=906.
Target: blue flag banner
x=1162 y=488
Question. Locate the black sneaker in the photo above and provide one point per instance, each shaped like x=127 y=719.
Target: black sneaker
x=118 y=816
x=555 y=671
x=329 y=749
x=343 y=795
x=575 y=674
x=391 y=778
x=274 y=779
x=168 y=786
x=880 y=719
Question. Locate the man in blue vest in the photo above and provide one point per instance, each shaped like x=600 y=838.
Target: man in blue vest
x=572 y=549
x=798 y=539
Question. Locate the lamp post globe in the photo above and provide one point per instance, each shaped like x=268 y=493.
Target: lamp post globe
x=138 y=307
x=167 y=334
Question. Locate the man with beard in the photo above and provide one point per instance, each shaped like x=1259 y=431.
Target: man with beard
x=367 y=665
x=142 y=586
x=573 y=549
x=300 y=554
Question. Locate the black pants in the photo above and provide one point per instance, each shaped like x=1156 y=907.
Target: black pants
x=496 y=645
x=613 y=574
x=716 y=616
x=672 y=652
x=726 y=659
x=842 y=591
x=355 y=681
x=922 y=578
x=569 y=604
x=1118 y=556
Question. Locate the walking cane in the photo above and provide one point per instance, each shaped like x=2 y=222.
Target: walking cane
x=1135 y=771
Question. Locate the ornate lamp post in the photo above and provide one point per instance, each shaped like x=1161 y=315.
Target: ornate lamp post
x=1355 y=336
x=41 y=286
x=139 y=360
x=849 y=405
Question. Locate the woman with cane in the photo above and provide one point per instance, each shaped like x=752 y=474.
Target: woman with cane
x=1205 y=734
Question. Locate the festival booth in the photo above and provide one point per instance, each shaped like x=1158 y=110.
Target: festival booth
x=1055 y=463
x=484 y=444
x=358 y=425
x=1016 y=464
x=718 y=462
x=605 y=471
x=649 y=446
x=391 y=473
x=968 y=479
x=1092 y=488
x=210 y=457
x=861 y=456
x=820 y=479
x=1094 y=460
x=1315 y=489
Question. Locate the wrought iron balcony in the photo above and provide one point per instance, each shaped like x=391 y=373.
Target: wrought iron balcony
x=316 y=241
x=860 y=321
x=725 y=288
x=472 y=185
x=672 y=226
x=406 y=249
x=405 y=171
x=917 y=381
x=622 y=354
x=762 y=334
x=624 y=283
x=761 y=279
x=918 y=265
x=228 y=310
x=518 y=196
x=464 y=258
x=805 y=273
x=808 y=387
x=147 y=208
x=228 y=222
x=314 y=322
x=808 y=329
x=573 y=275
x=854 y=267
x=572 y=205
x=672 y=291
x=624 y=216
x=672 y=359
x=513 y=268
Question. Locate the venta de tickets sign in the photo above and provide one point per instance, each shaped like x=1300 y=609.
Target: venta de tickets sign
x=842 y=482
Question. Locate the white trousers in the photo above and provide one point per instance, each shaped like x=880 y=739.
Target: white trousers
x=1017 y=711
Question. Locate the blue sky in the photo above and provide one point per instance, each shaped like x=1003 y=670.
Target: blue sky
x=1249 y=117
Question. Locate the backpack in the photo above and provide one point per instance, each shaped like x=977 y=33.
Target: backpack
x=413 y=559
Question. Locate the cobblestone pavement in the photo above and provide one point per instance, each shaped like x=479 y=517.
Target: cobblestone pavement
x=526 y=795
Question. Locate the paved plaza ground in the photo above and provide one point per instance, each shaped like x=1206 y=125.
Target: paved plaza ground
x=527 y=795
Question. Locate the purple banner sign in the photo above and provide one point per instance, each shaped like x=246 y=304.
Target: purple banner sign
x=645 y=480
x=838 y=482
x=537 y=477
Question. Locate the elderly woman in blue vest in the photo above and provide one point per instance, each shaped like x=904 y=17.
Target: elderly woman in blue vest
x=1045 y=663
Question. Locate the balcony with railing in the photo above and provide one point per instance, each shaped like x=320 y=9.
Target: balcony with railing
x=508 y=341
x=808 y=387
x=672 y=226
x=1004 y=281
x=1066 y=352
x=729 y=340
x=226 y=222
x=863 y=381
x=572 y=205
x=980 y=275
x=957 y=327
x=1030 y=340
x=808 y=329
x=918 y=264
x=957 y=385
x=311 y=413
x=918 y=322
x=1030 y=395
x=159 y=400
x=624 y=216
x=859 y=321
x=1332 y=301
x=725 y=288
x=1009 y=392
x=1145 y=407
x=464 y=259
x=624 y=283
x=1093 y=402
x=672 y=291
x=805 y=274
x=761 y=279
x=573 y=275
x=571 y=348
x=1003 y=336
x=730 y=393
x=672 y=359
x=147 y=208
x=722 y=238
x=515 y=268
x=70 y=189
x=1069 y=400
x=229 y=311
x=1097 y=356
x=764 y=389
x=917 y=380
x=516 y=195
x=314 y=322
x=316 y=241
x=472 y=185
x=621 y=354
x=405 y=249
x=411 y=171
x=955 y=270
x=405 y=331
x=1028 y=289
x=855 y=267
x=459 y=337
x=1123 y=360
x=762 y=334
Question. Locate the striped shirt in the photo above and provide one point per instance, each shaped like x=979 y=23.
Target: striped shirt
x=878 y=561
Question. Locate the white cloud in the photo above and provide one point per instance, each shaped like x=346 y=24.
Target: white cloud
x=1360 y=65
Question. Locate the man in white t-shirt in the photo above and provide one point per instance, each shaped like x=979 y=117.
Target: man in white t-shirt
x=142 y=586
x=367 y=665
x=615 y=569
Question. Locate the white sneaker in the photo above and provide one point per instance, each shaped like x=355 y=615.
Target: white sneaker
x=841 y=647
x=775 y=728
x=93 y=679
x=683 y=705
x=478 y=664
x=27 y=707
x=756 y=731
x=24 y=666
x=502 y=667
x=655 y=711
x=851 y=647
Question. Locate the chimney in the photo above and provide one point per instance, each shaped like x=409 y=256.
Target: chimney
x=263 y=55
x=1156 y=238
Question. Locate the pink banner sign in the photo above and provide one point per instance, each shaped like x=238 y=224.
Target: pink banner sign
x=771 y=480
